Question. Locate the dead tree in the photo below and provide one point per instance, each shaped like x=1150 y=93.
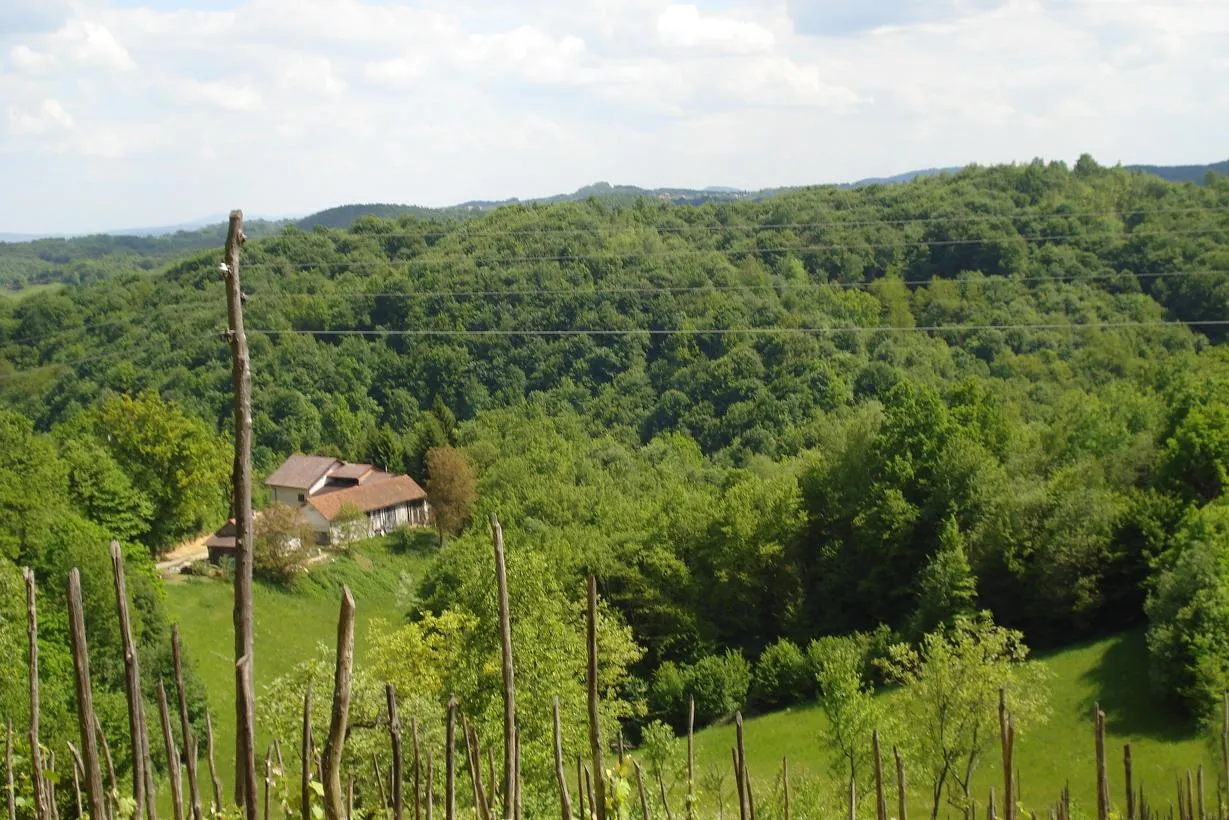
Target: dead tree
x=241 y=507
x=334 y=805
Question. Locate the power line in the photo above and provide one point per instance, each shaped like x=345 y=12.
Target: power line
x=749 y=331
x=611 y=256
x=461 y=227
x=679 y=289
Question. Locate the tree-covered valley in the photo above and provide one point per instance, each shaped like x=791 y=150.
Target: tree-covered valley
x=763 y=424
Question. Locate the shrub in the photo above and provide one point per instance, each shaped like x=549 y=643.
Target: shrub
x=782 y=676
x=668 y=694
x=280 y=545
x=719 y=683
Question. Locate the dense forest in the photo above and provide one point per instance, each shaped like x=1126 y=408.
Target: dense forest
x=759 y=422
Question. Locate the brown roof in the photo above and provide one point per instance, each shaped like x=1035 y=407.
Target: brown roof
x=301 y=472
x=355 y=471
x=224 y=538
x=368 y=496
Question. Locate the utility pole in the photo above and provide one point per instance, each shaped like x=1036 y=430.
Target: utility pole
x=245 y=710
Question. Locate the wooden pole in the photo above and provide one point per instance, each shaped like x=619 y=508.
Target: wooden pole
x=334 y=805
x=492 y=792
x=1005 y=743
x=565 y=802
x=1102 y=776
x=517 y=804
x=1224 y=744
x=505 y=649
x=739 y=784
x=744 y=801
x=241 y=506
x=1199 y=805
x=474 y=762
x=644 y=800
x=901 y=796
x=394 y=736
x=9 y=793
x=595 y=727
x=379 y=776
x=85 y=698
x=429 y=797
x=881 y=805
x=450 y=769
x=1126 y=769
x=113 y=783
x=141 y=776
x=36 y=757
x=691 y=759
x=306 y=753
x=185 y=728
x=78 y=769
x=580 y=789
x=589 y=792
x=785 y=785
x=213 y=766
x=172 y=755
x=417 y=769
x=268 y=778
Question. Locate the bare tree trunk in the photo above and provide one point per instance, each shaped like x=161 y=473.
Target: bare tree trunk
x=691 y=759
x=450 y=766
x=580 y=789
x=334 y=808
x=241 y=506
x=505 y=648
x=394 y=736
x=85 y=697
x=595 y=726
x=306 y=753
x=565 y=802
x=589 y=794
x=36 y=757
x=213 y=766
x=185 y=728
x=644 y=800
x=172 y=756
x=492 y=783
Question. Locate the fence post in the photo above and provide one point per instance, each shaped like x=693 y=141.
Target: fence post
x=505 y=650
x=334 y=806
x=185 y=728
x=595 y=728
x=565 y=802
x=85 y=697
x=36 y=755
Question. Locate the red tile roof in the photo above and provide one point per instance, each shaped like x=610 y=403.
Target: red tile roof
x=371 y=495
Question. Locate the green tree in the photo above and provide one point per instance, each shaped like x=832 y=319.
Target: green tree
x=450 y=489
x=281 y=544
x=946 y=587
x=950 y=697
x=852 y=711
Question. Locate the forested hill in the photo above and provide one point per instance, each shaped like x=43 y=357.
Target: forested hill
x=825 y=411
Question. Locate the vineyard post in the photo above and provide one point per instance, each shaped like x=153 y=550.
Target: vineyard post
x=213 y=766
x=36 y=761
x=516 y=775
x=85 y=697
x=429 y=796
x=172 y=756
x=268 y=778
x=334 y=807
x=473 y=761
x=1190 y=795
x=565 y=802
x=739 y=784
x=185 y=728
x=417 y=768
x=241 y=508
x=580 y=789
x=1202 y=815
x=113 y=792
x=741 y=773
x=881 y=805
x=785 y=785
x=492 y=792
x=902 y=812
x=142 y=777
x=505 y=649
x=394 y=734
x=991 y=812
x=661 y=785
x=644 y=800
x=1102 y=776
x=598 y=804
x=1126 y=771
x=305 y=757
x=78 y=770
x=450 y=771
x=379 y=776
x=691 y=759
x=8 y=770
x=1005 y=742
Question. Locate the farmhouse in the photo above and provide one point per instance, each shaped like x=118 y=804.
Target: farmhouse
x=326 y=489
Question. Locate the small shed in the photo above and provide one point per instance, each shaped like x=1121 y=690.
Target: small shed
x=222 y=543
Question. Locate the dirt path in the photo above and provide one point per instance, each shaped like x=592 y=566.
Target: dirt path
x=184 y=554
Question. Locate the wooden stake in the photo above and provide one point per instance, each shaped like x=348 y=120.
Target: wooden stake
x=306 y=753
x=691 y=759
x=394 y=736
x=185 y=728
x=85 y=697
x=1102 y=775
x=1005 y=744
x=172 y=756
x=335 y=744
x=481 y=809
x=450 y=775
x=517 y=805
x=1199 y=793
x=78 y=768
x=417 y=769
x=881 y=805
x=901 y=796
x=580 y=789
x=1224 y=744
x=241 y=506
x=379 y=776
x=740 y=784
x=785 y=785
x=492 y=783
x=268 y=778
x=644 y=800
x=142 y=777
x=665 y=802
x=595 y=728
x=1126 y=769
x=505 y=649
x=9 y=792
x=213 y=766
x=565 y=802
x=36 y=759
x=744 y=802
x=113 y=783
x=430 y=795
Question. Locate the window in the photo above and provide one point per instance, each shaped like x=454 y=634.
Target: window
x=302 y=498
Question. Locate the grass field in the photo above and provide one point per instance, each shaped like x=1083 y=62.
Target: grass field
x=1111 y=671
x=289 y=625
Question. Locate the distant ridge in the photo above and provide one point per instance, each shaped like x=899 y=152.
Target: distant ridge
x=1183 y=173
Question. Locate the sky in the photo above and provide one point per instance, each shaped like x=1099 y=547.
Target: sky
x=127 y=113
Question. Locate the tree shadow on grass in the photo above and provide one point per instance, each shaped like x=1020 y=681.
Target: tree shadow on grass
x=1132 y=705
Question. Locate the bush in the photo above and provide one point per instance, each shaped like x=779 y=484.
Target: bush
x=782 y=676
x=281 y=545
x=668 y=694
x=719 y=684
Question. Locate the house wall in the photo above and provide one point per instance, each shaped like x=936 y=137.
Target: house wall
x=287 y=495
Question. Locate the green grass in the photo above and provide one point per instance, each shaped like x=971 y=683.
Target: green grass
x=289 y=624
x=1112 y=671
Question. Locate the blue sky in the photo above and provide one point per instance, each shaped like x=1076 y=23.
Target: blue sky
x=117 y=113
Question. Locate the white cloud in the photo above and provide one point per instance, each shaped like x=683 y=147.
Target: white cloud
x=684 y=26
x=49 y=117
x=79 y=44
x=223 y=94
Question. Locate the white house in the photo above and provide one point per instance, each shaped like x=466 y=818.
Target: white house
x=324 y=488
